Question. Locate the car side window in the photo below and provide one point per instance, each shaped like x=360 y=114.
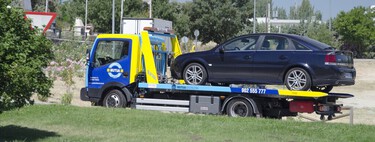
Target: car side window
x=299 y=46
x=242 y=44
x=274 y=43
x=110 y=51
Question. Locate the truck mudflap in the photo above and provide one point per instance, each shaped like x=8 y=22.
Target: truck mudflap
x=84 y=95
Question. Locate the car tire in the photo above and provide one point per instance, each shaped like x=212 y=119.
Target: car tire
x=114 y=98
x=195 y=74
x=325 y=89
x=239 y=108
x=297 y=79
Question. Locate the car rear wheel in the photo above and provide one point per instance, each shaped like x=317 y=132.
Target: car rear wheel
x=297 y=79
x=195 y=74
x=325 y=89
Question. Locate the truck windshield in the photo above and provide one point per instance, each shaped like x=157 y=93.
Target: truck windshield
x=110 y=51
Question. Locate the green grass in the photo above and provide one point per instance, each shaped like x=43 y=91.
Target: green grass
x=69 y=123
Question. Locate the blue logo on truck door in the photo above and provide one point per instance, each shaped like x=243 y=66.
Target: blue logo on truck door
x=115 y=70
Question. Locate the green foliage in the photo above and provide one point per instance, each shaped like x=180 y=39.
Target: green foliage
x=357 y=30
x=321 y=33
x=304 y=12
x=68 y=63
x=67 y=99
x=42 y=98
x=23 y=55
x=218 y=20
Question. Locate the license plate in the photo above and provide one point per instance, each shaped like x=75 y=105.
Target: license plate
x=348 y=75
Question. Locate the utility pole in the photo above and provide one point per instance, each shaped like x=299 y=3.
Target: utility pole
x=85 y=35
x=122 y=13
x=268 y=17
x=330 y=19
x=46 y=5
x=254 y=16
x=113 y=16
x=150 y=14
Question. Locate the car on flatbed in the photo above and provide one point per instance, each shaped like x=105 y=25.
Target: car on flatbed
x=298 y=62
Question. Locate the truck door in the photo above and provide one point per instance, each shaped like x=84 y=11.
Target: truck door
x=110 y=62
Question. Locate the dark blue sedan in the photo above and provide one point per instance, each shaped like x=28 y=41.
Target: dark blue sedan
x=297 y=61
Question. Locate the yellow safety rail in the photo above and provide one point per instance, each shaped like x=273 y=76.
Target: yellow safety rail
x=309 y=94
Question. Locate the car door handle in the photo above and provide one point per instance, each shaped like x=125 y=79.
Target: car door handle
x=283 y=57
x=247 y=57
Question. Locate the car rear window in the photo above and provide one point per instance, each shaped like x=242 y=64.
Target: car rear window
x=315 y=43
x=299 y=46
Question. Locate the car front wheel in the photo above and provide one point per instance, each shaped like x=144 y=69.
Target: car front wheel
x=297 y=79
x=195 y=74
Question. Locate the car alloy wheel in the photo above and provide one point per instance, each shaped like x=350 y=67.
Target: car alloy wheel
x=298 y=79
x=195 y=74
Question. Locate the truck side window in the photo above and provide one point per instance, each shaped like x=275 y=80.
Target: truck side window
x=110 y=51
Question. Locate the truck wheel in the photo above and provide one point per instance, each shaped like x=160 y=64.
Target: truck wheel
x=195 y=74
x=114 y=98
x=325 y=89
x=297 y=79
x=239 y=108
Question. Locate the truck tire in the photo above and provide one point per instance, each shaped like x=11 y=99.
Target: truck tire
x=239 y=108
x=114 y=98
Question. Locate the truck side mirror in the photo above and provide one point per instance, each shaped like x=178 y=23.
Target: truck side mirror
x=221 y=50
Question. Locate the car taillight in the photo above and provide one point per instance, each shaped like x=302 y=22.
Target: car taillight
x=330 y=59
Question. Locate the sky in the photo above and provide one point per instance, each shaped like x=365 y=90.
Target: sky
x=324 y=5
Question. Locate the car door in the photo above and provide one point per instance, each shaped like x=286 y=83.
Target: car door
x=110 y=62
x=233 y=63
x=272 y=57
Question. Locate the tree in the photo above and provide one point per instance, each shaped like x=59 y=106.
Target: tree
x=321 y=33
x=356 y=29
x=281 y=13
x=23 y=55
x=304 y=12
x=218 y=20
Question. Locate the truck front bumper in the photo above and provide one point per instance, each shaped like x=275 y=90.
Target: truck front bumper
x=90 y=94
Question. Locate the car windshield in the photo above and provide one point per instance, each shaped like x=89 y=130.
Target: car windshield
x=316 y=43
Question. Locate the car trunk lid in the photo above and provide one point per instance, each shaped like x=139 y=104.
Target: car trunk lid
x=339 y=58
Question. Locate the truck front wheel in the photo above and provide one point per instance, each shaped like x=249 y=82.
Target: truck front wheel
x=114 y=98
x=239 y=108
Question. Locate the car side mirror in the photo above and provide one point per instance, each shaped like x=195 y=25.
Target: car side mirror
x=87 y=56
x=221 y=50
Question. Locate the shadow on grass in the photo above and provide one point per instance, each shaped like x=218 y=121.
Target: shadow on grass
x=18 y=133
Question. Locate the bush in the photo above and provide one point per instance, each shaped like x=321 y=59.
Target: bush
x=23 y=55
x=67 y=98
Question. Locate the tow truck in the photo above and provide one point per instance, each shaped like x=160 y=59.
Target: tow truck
x=126 y=70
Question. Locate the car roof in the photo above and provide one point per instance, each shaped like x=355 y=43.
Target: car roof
x=280 y=34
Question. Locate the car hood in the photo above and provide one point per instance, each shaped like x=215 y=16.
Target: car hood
x=194 y=54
